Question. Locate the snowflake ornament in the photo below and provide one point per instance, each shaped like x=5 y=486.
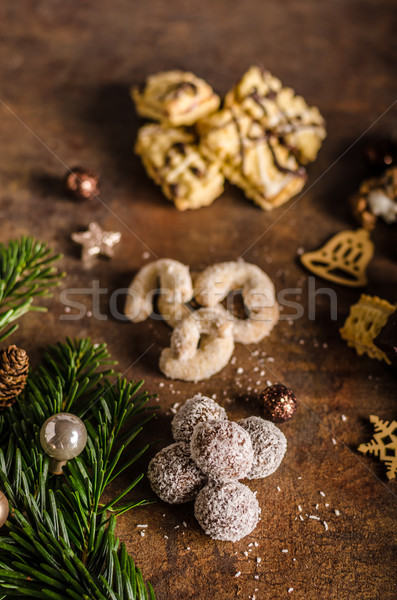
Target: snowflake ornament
x=383 y=444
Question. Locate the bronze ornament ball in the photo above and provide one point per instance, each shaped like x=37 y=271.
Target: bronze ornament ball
x=279 y=403
x=82 y=183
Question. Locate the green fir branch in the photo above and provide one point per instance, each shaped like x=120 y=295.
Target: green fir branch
x=26 y=273
x=59 y=541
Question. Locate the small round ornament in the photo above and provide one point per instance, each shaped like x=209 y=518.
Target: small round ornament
x=63 y=436
x=4 y=509
x=381 y=153
x=279 y=403
x=82 y=183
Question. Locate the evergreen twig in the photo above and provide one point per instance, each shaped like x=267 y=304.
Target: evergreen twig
x=26 y=273
x=60 y=540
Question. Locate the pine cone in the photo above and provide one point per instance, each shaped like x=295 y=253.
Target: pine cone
x=14 y=369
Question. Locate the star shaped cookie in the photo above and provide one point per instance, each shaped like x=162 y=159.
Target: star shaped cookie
x=95 y=241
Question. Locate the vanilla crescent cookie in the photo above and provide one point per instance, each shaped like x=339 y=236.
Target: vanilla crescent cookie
x=214 y=283
x=171 y=279
x=201 y=345
x=175 y=98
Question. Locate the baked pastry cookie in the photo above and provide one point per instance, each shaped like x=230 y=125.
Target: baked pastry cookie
x=201 y=345
x=175 y=98
x=376 y=197
x=262 y=311
x=173 y=160
x=365 y=322
x=278 y=109
x=252 y=157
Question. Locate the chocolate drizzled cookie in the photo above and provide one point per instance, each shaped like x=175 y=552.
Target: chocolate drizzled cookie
x=175 y=98
x=173 y=160
x=263 y=137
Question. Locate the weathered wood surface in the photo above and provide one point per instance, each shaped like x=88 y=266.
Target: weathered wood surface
x=65 y=72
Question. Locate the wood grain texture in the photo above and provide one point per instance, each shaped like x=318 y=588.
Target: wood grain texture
x=65 y=72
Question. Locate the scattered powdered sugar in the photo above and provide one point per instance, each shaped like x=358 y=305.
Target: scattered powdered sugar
x=269 y=445
x=174 y=408
x=227 y=511
x=198 y=409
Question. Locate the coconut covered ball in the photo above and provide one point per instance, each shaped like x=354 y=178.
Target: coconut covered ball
x=195 y=410
x=227 y=511
x=173 y=475
x=222 y=450
x=269 y=445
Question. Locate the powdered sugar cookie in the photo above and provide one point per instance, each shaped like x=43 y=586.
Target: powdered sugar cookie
x=201 y=345
x=171 y=279
x=214 y=283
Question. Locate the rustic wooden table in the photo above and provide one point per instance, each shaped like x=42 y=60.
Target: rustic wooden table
x=65 y=72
